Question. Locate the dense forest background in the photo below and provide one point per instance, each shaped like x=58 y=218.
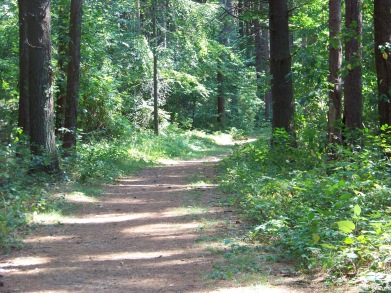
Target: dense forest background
x=117 y=73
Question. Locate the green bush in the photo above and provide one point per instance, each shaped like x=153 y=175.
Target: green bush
x=333 y=214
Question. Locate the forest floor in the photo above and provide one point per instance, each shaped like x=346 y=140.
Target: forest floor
x=161 y=230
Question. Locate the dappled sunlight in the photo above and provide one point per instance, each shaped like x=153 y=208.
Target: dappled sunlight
x=49 y=239
x=145 y=234
x=166 y=228
x=79 y=197
x=27 y=261
x=137 y=255
x=104 y=218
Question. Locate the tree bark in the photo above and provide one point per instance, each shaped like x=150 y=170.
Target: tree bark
x=73 y=79
x=265 y=38
x=225 y=36
x=63 y=12
x=382 y=15
x=258 y=55
x=23 y=119
x=155 y=77
x=42 y=138
x=221 y=118
x=280 y=66
x=353 y=80
x=335 y=63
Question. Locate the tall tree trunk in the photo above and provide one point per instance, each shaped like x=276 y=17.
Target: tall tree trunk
x=241 y=22
x=266 y=64
x=42 y=138
x=258 y=55
x=139 y=16
x=221 y=118
x=383 y=58
x=353 y=80
x=280 y=65
x=155 y=77
x=63 y=12
x=225 y=40
x=72 y=97
x=335 y=63
x=23 y=119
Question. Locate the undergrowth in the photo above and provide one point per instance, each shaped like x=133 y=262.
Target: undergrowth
x=328 y=214
x=23 y=193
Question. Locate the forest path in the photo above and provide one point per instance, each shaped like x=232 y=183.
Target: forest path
x=141 y=235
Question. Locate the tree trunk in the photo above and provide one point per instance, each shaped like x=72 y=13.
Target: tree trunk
x=155 y=79
x=139 y=16
x=335 y=63
x=280 y=65
x=63 y=12
x=225 y=40
x=221 y=118
x=73 y=79
x=258 y=55
x=353 y=80
x=266 y=63
x=42 y=138
x=23 y=119
x=382 y=15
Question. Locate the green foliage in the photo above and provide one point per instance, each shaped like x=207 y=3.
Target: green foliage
x=334 y=214
x=21 y=192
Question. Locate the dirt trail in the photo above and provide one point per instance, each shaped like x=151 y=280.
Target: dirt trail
x=136 y=237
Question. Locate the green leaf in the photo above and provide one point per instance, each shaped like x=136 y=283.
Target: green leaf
x=329 y=246
x=357 y=210
x=361 y=238
x=346 y=226
x=316 y=238
x=349 y=240
x=345 y=196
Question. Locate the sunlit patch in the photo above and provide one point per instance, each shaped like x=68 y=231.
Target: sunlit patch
x=203 y=184
x=48 y=239
x=121 y=256
x=27 y=261
x=102 y=219
x=79 y=197
x=163 y=228
x=47 y=218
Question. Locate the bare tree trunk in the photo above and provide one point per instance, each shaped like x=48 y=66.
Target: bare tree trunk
x=265 y=38
x=63 y=11
x=280 y=65
x=335 y=63
x=353 y=80
x=225 y=40
x=221 y=118
x=42 y=138
x=383 y=58
x=23 y=120
x=72 y=97
x=258 y=55
x=155 y=79
x=139 y=16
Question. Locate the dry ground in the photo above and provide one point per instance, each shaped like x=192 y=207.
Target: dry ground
x=141 y=235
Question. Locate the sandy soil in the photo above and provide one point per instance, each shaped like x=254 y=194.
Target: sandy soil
x=139 y=236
